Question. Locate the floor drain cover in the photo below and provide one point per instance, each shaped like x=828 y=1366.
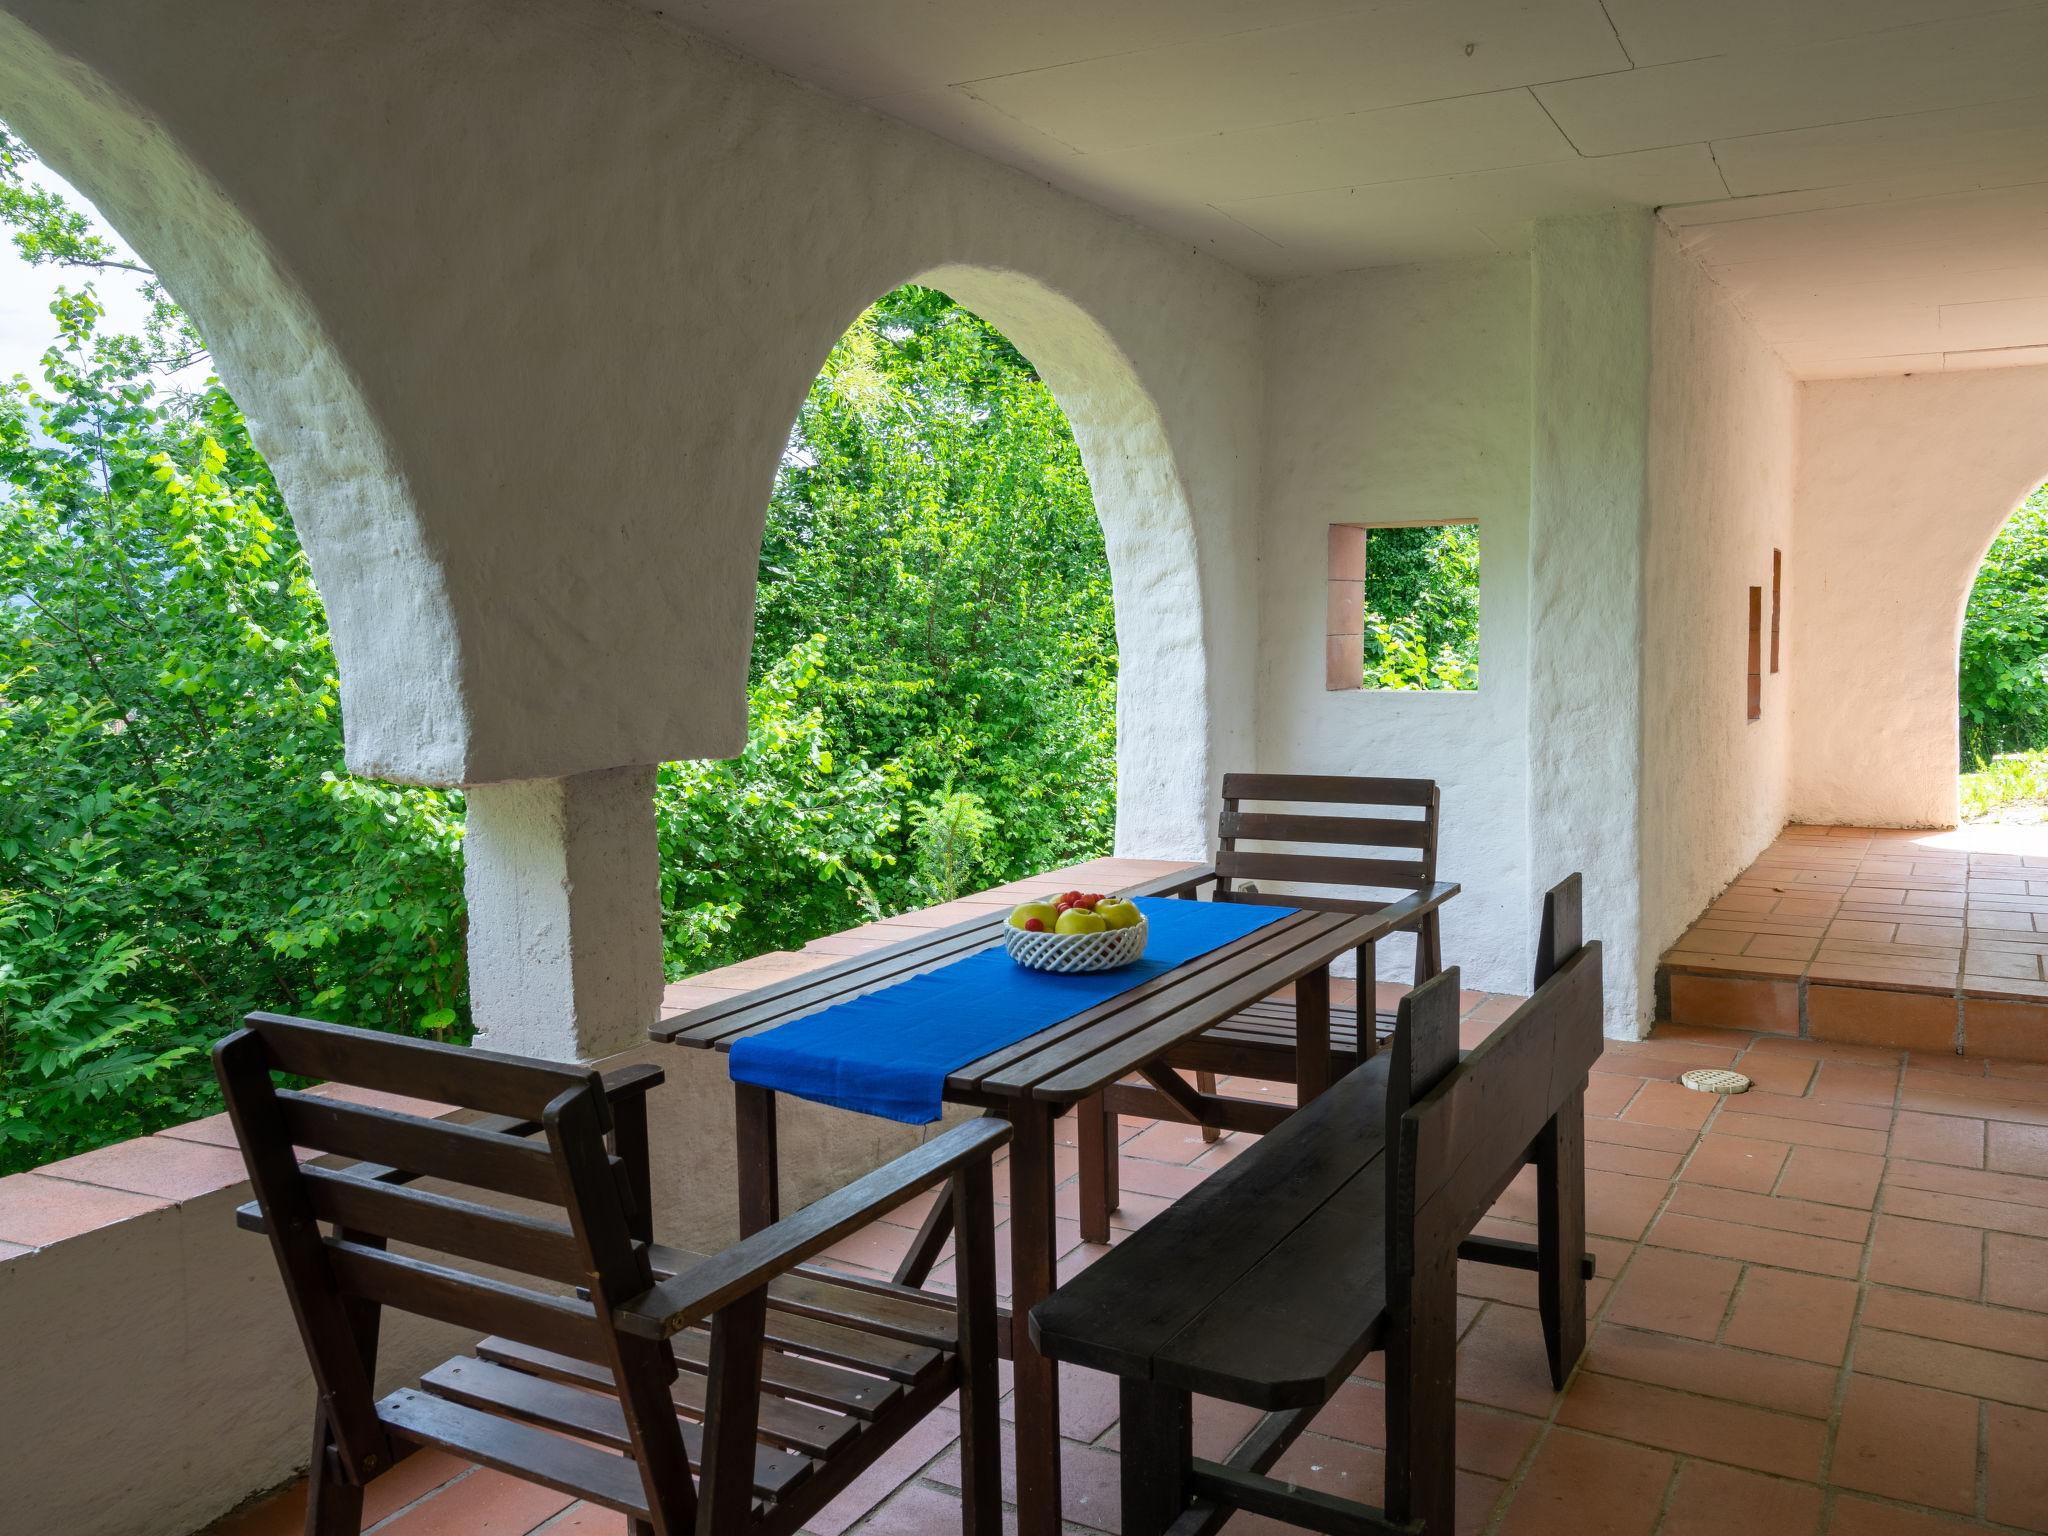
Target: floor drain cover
x=1715 y=1080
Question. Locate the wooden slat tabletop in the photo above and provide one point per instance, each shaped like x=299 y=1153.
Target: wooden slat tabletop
x=1078 y=1056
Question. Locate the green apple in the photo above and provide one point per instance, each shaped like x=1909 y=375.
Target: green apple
x=1044 y=911
x=1080 y=920
x=1119 y=913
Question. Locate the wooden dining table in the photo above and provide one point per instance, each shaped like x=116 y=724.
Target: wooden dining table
x=1036 y=1080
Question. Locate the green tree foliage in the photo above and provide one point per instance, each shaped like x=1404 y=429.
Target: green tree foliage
x=1422 y=607
x=932 y=518
x=178 y=843
x=932 y=700
x=2003 y=688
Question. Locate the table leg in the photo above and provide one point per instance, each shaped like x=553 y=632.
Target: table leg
x=1368 y=999
x=1312 y=1034
x=760 y=1167
x=1033 y=1274
x=1095 y=1128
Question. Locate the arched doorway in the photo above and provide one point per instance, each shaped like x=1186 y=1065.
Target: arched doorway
x=179 y=841
x=2002 y=674
x=933 y=683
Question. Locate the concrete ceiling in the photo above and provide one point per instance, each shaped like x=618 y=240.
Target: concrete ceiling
x=1868 y=178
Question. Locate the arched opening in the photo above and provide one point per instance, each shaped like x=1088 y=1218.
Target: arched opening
x=180 y=841
x=933 y=682
x=2002 y=675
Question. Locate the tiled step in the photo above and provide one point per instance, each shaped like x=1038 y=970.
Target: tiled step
x=1911 y=940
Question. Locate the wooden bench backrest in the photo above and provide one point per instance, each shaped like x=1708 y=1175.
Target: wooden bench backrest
x=572 y=1226
x=1393 y=822
x=1458 y=1132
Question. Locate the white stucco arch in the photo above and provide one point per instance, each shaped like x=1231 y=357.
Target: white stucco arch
x=1903 y=483
x=1164 y=770
x=388 y=612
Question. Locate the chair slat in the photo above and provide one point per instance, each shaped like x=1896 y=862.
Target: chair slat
x=506 y=1239
x=434 y=1148
x=533 y=1455
x=1356 y=831
x=592 y=1415
x=1327 y=789
x=813 y=1431
x=1323 y=869
x=907 y=1363
x=798 y=1379
x=560 y=1323
x=419 y=1069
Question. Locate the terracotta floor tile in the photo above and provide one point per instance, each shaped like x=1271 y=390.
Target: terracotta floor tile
x=1682 y=1293
x=1971 y=1183
x=1938 y=1139
x=1739 y=1120
x=1644 y=1162
x=2016 y=1271
x=1737 y=1162
x=1966 y=1211
x=1820 y=1111
x=1990 y=1374
x=1788 y=1076
x=1619 y=1204
x=1711 y=1500
x=485 y=1503
x=1868 y=1016
x=1695 y=1426
x=2016 y=1467
x=1712 y=1370
x=1804 y=1316
x=1865 y=1517
x=1759 y=1245
x=914 y=1511
x=1773 y=1212
x=1907 y=1442
x=1583 y=1485
x=1854 y=1084
x=2017 y=1149
x=920 y=1446
x=1668 y=1104
x=590 y=1520
x=1836 y=1178
x=1926 y=1256
x=1607 y=1095
x=1631 y=1133
x=1501 y=1363
x=1958 y=1322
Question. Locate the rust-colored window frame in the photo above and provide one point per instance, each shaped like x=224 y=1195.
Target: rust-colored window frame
x=1756 y=653
x=1344 y=597
x=1777 y=601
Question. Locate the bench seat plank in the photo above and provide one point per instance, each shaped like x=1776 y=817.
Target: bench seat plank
x=1133 y=1316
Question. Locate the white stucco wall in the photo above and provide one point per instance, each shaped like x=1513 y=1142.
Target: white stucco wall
x=522 y=296
x=1721 y=469
x=1902 y=485
x=1399 y=395
x=1589 y=484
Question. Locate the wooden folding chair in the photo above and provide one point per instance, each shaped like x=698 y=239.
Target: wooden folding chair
x=721 y=1395
x=1389 y=828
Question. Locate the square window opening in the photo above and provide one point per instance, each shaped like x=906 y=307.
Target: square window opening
x=1403 y=607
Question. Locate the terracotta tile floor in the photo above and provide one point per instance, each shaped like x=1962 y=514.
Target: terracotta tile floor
x=1822 y=1308
x=1879 y=936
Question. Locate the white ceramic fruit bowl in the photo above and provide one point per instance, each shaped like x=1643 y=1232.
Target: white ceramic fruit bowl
x=1071 y=953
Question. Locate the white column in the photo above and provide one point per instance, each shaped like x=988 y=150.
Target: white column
x=562 y=877
x=1589 y=492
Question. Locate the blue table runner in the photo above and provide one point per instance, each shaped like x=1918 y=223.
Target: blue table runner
x=889 y=1052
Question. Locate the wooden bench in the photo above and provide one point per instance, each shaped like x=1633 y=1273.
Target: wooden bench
x=1340 y=1234
x=732 y=1394
x=1275 y=831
